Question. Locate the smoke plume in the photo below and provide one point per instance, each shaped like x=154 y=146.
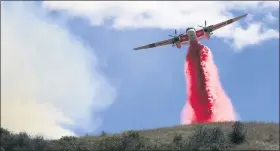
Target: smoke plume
x=206 y=100
x=48 y=77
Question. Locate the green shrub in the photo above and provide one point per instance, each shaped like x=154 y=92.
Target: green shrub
x=103 y=133
x=132 y=141
x=21 y=141
x=178 y=142
x=206 y=138
x=39 y=143
x=6 y=139
x=111 y=143
x=203 y=138
x=238 y=133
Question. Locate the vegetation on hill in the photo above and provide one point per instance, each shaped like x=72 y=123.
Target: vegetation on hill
x=213 y=137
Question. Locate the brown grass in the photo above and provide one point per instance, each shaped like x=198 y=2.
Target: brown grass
x=259 y=136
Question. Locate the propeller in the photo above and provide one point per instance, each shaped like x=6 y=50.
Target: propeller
x=205 y=28
x=175 y=34
x=202 y=26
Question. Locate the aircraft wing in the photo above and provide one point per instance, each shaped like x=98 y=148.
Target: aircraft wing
x=156 y=44
x=222 y=24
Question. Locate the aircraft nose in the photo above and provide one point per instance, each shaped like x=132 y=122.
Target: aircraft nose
x=191 y=35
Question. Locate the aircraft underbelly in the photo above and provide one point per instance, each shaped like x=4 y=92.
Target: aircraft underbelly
x=192 y=35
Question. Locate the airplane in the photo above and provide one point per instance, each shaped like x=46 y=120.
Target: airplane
x=191 y=34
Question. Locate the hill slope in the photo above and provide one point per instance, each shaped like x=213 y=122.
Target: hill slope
x=214 y=136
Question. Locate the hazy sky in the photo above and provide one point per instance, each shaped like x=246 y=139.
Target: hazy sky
x=67 y=68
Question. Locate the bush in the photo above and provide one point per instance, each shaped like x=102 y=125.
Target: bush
x=6 y=139
x=113 y=143
x=238 y=133
x=206 y=138
x=20 y=141
x=103 y=133
x=132 y=140
x=39 y=143
x=127 y=141
x=67 y=143
x=177 y=142
x=177 y=138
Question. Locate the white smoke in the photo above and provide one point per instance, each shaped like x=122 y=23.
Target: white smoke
x=48 y=78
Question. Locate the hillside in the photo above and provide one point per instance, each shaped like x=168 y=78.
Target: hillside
x=215 y=136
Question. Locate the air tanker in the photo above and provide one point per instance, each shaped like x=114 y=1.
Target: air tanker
x=191 y=34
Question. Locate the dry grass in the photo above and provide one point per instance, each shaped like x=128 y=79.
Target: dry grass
x=259 y=136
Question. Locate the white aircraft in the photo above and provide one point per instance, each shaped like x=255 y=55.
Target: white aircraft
x=191 y=34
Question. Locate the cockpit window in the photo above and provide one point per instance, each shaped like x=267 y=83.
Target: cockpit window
x=189 y=29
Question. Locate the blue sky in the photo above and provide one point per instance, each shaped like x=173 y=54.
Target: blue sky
x=117 y=89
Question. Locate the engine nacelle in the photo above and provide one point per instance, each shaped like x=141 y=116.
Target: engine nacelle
x=178 y=45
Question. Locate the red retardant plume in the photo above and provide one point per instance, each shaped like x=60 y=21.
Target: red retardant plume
x=206 y=100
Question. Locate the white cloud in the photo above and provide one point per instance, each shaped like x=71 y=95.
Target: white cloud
x=252 y=35
x=48 y=78
x=269 y=18
x=170 y=15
